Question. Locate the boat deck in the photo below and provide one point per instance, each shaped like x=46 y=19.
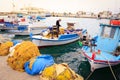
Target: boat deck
x=102 y=56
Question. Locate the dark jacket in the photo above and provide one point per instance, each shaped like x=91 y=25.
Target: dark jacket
x=58 y=23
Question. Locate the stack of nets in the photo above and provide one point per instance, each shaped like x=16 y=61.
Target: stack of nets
x=37 y=64
x=59 y=72
x=21 y=53
x=4 y=48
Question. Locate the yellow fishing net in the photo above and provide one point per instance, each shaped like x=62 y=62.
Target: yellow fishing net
x=22 y=53
x=32 y=60
x=62 y=30
x=4 y=48
x=59 y=72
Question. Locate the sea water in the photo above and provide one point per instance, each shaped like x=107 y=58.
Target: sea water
x=71 y=54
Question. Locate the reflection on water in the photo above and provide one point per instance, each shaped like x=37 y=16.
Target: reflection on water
x=59 y=50
x=20 y=37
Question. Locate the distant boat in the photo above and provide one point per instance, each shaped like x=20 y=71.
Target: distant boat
x=1 y=23
x=39 y=18
x=23 y=26
x=26 y=29
x=104 y=49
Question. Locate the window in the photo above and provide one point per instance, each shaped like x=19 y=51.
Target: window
x=112 y=33
x=108 y=32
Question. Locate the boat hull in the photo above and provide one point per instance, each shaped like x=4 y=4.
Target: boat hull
x=97 y=64
x=34 y=30
x=53 y=42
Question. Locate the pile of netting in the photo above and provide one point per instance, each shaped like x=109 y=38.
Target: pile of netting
x=21 y=53
x=4 y=48
x=37 y=64
x=59 y=72
x=25 y=56
x=48 y=70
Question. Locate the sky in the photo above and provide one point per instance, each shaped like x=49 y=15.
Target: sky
x=64 y=5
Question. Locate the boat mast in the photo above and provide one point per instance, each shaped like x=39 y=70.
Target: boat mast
x=13 y=6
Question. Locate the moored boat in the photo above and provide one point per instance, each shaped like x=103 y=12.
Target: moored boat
x=50 y=38
x=23 y=25
x=104 y=49
x=26 y=29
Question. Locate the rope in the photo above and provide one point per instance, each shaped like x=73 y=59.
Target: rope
x=112 y=71
x=110 y=68
x=89 y=75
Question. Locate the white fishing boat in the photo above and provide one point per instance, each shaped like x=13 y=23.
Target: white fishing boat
x=52 y=39
x=41 y=41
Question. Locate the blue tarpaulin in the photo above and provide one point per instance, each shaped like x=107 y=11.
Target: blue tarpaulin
x=40 y=63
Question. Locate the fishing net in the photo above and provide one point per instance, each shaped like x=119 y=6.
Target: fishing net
x=62 y=30
x=37 y=64
x=59 y=72
x=4 y=48
x=21 y=53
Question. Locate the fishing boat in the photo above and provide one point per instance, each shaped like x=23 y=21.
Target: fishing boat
x=26 y=29
x=104 y=49
x=23 y=26
x=51 y=39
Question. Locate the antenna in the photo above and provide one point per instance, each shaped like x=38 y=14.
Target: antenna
x=13 y=5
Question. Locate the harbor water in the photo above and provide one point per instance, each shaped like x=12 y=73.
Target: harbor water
x=71 y=54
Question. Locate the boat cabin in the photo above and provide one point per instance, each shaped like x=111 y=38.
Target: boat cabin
x=109 y=37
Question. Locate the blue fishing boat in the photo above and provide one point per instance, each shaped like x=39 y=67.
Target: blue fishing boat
x=104 y=49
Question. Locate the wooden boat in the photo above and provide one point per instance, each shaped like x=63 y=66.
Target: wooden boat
x=104 y=49
x=52 y=40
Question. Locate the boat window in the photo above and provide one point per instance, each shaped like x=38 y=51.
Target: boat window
x=108 y=32
x=112 y=33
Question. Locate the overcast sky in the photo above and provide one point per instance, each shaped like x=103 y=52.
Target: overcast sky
x=64 y=5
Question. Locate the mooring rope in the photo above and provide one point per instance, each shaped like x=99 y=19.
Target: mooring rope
x=112 y=71
x=89 y=75
x=110 y=68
